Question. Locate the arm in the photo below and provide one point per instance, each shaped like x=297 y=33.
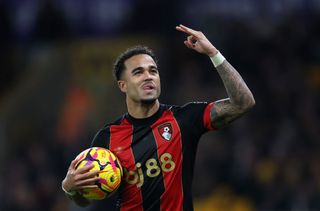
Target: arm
x=240 y=97
x=78 y=179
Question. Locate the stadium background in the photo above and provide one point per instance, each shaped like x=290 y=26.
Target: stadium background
x=57 y=90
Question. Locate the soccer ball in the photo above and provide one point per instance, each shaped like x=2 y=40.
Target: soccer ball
x=110 y=172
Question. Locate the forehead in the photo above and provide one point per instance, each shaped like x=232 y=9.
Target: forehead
x=140 y=60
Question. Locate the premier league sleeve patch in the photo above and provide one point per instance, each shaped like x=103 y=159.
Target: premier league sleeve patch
x=165 y=131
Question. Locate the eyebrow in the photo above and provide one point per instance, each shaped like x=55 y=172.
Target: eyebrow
x=139 y=68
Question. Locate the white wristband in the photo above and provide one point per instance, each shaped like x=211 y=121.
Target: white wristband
x=70 y=193
x=217 y=59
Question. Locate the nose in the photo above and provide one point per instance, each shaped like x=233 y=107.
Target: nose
x=147 y=75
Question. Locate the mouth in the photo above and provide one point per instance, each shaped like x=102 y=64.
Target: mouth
x=148 y=87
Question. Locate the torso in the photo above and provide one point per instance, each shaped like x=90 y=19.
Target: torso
x=157 y=155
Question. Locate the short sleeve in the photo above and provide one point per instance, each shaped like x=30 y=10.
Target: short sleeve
x=194 y=118
x=207 y=117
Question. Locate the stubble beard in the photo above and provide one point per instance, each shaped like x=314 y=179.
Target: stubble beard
x=149 y=101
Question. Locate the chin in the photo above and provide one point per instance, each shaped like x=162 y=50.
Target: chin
x=148 y=101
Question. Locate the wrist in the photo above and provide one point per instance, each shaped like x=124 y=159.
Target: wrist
x=217 y=59
x=70 y=192
x=212 y=51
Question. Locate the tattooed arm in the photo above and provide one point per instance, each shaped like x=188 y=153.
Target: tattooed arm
x=240 y=97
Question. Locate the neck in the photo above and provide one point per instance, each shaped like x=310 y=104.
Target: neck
x=142 y=110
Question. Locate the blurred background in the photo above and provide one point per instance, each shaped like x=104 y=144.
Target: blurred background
x=57 y=90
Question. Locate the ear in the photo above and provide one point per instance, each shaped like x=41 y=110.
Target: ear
x=122 y=86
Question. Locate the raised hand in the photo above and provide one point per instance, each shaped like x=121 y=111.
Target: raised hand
x=197 y=41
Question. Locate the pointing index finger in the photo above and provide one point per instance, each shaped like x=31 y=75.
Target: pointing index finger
x=187 y=30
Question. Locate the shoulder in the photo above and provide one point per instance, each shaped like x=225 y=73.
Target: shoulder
x=190 y=112
x=189 y=107
x=117 y=121
x=102 y=136
x=106 y=127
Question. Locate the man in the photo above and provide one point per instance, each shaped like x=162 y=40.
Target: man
x=156 y=143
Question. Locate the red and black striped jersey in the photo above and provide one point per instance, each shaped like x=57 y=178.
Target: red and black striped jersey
x=158 y=155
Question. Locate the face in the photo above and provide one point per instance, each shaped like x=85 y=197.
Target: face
x=140 y=80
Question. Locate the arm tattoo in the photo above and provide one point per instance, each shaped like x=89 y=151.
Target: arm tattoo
x=240 y=97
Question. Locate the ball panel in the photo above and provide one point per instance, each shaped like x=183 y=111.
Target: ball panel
x=94 y=194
